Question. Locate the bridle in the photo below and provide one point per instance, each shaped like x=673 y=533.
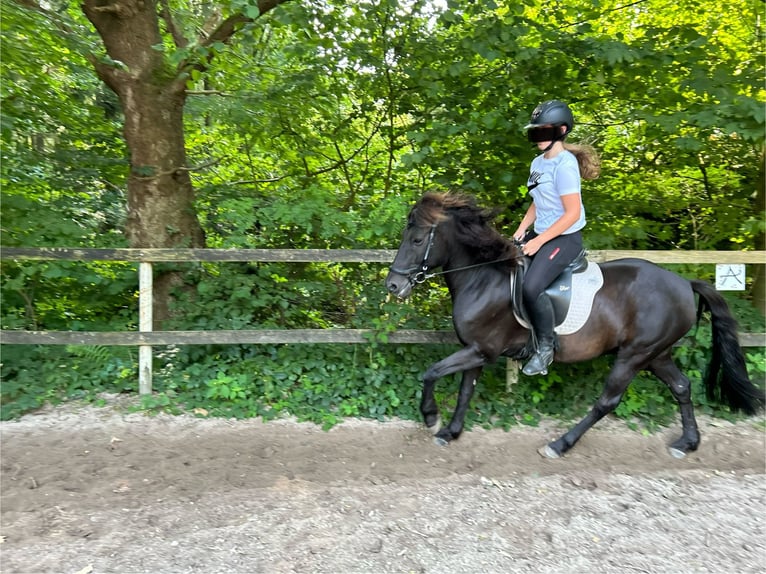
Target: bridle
x=418 y=273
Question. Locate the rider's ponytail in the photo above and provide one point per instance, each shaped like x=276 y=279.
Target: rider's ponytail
x=587 y=159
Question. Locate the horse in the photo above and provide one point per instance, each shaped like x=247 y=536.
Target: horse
x=638 y=315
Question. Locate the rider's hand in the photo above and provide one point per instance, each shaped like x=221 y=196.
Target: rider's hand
x=532 y=246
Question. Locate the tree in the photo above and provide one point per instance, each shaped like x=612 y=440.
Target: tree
x=149 y=71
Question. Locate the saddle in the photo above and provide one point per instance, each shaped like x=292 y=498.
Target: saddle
x=580 y=280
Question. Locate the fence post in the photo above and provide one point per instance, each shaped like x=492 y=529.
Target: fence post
x=145 y=303
x=511 y=374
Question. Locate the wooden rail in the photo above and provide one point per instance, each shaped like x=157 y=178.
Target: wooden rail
x=222 y=337
x=252 y=337
x=145 y=338
x=334 y=255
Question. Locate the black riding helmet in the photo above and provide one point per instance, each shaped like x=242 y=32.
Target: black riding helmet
x=551 y=113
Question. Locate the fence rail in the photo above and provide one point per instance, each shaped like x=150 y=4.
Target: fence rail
x=221 y=337
x=159 y=255
x=145 y=337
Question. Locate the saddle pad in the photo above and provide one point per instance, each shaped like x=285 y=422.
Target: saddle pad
x=585 y=285
x=584 y=288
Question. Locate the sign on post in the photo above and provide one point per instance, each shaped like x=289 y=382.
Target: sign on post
x=730 y=276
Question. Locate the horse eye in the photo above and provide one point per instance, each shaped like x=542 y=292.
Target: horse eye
x=417 y=240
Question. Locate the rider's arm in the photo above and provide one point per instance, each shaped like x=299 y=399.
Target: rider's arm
x=529 y=219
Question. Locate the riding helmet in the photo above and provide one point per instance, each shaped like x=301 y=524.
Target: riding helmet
x=552 y=113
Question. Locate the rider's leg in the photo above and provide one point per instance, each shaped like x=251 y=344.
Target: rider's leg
x=541 y=315
x=545 y=266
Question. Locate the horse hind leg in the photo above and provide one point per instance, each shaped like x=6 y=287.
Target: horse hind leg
x=680 y=387
x=617 y=382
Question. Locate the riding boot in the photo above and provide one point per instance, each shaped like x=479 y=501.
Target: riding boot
x=541 y=316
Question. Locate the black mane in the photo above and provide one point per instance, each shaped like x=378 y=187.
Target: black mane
x=473 y=224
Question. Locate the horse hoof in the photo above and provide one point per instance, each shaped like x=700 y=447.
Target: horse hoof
x=676 y=453
x=547 y=452
x=439 y=441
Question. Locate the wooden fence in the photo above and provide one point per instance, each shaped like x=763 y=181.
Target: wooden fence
x=145 y=338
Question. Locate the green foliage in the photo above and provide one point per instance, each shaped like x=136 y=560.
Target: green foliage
x=319 y=383
x=35 y=375
x=68 y=295
x=325 y=383
x=63 y=158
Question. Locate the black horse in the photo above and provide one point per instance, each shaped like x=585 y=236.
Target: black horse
x=638 y=315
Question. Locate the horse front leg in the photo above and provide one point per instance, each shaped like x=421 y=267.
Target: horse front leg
x=469 y=360
x=455 y=427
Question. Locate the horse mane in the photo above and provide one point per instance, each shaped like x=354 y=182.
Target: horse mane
x=473 y=224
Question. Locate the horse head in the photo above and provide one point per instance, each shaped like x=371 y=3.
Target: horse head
x=419 y=249
x=447 y=230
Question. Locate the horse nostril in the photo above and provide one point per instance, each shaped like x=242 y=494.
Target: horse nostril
x=393 y=287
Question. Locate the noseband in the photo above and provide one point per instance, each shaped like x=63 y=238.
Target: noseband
x=417 y=274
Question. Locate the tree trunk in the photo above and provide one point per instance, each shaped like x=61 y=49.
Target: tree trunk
x=152 y=93
x=160 y=194
x=161 y=210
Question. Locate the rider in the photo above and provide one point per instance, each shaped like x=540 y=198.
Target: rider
x=558 y=216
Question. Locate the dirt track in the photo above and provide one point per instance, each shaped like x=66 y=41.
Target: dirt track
x=98 y=490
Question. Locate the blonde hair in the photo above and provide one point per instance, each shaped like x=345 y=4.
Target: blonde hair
x=587 y=159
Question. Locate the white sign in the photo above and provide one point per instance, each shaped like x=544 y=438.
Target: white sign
x=730 y=277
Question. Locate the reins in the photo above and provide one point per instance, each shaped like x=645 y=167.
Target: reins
x=421 y=276
x=427 y=276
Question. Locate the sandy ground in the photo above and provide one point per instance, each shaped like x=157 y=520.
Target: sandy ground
x=101 y=490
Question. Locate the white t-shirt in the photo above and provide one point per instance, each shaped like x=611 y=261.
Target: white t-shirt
x=549 y=179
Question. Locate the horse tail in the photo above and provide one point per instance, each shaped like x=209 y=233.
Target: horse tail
x=733 y=387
